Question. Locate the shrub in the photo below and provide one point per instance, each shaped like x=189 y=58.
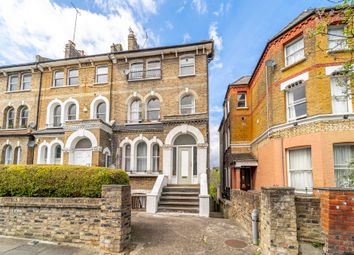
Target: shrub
x=57 y=180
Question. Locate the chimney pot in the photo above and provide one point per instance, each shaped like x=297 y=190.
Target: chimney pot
x=132 y=42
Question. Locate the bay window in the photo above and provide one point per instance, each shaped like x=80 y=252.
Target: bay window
x=141 y=157
x=296 y=101
x=341 y=101
x=300 y=169
x=343 y=157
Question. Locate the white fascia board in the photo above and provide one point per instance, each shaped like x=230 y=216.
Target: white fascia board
x=303 y=77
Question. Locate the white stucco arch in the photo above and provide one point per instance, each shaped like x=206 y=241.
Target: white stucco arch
x=184 y=129
x=66 y=105
x=50 y=109
x=129 y=101
x=106 y=151
x=78 y=135
x=125 y=141
x=94 y=105
x=40 y=153
x=51 y=152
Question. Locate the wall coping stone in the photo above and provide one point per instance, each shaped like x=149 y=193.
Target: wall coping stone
x=335 y=189
x=278 y=188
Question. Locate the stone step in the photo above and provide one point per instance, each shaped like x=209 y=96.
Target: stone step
x=178 y=209
x=177 y=203
x=180 y=189
x=184 y=185
x=179 y=198
x=180 y=193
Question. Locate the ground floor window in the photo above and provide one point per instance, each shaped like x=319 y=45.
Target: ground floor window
x=57 y=154
x=8 y=155
x=300 y=169
x=17 y=155
x=127 y=152
x=155 y=158
x=141 y=157
x=343 y=157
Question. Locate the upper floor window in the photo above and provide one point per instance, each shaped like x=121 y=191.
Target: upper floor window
x=241 y=100
x=71 y=112
x=13 y=83
x=10 y=118
x=23 y=121
x=340 y=91
x=296 y=101
x=136 y=71
x=135 y=111
x=294 y=51
x=336 y=38
x=102 y=74
x=101 y=111
x=186 y=65
x=58 y=79
x=57 y=116
x=153 y=69
x=153 y=109
x=26 y=81
x=187 y=104
x=73 y=77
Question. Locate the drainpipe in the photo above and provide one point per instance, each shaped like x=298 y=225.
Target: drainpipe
x=254 y=217
x=269 y=63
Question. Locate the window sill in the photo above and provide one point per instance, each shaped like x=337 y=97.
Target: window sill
x=17 y=91
x=293 y=64
x=242 y=108
x=145 y=79
x=338 y=51
x=65 y=86
x=298 y=118
x=100 y=83
x=185 y=75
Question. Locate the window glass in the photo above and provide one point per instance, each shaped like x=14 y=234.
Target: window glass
x=195 y=161
x=24 y=117
x=156 y=158
x=73 y=77
x=187 y=104
x=57 y=154
x=26 y=81
x=57 y=116
x=153 y=69
x=153 y=109
x=8 y=155
x=241 y=100
x=59 y=78
x=300 y=169
x=72 y=112
x=135 y=111
x=13 y=83
x=18 y=155
x=10 y=118
x=340 y=91
x=141 y=157
x=294 y=52
x=336 y=38
x=136 y=71
x=84 y=143
x=187 y=65
x=127 y=157
x=101 y=74
x=101 y=111
x=343 y=156
x=296 y=102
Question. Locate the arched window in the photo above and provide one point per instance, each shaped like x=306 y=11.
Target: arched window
x=23 y=121
x=127 y=152
x=57 y=116
x=57 y=154
x=44 y=155
x=84 y=143
x=187 y=104
x=156 y=158
x=8 y=155
x=153 y=109
x=10 y=118
x=135 y=111
x=101 y=111
x=141 y=157
x=107 y=158
x=72 y=112
x=17 y=155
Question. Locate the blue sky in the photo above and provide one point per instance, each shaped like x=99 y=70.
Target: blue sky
x=240 y=28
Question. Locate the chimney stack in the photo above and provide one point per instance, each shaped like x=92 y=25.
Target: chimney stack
x=116 y=47
x=132 y=43
x=71 y=51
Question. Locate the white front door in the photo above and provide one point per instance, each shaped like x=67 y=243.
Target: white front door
x=184 y=165
x=82 y=157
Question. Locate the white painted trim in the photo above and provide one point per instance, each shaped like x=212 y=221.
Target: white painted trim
x=50 y=109
x=333 y=69
x=51 y=152
x=303 y=76
x=40 y=150
x=204 y=200
x=184 y=129
x=78 y=135
x=153 y=198
x=106 y=151
x=94 y=105
x=67 y=103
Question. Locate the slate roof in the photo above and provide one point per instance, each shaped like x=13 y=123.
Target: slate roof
x=242 y=81
x=49 y=131
x=243 y=157
x=144 y=127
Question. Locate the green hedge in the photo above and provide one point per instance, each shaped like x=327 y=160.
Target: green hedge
x=57 y=180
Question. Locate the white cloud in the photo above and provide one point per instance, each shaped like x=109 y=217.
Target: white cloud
x=180 y=9
x=213 y=34
x=200 y=5
x=214 y=144
x=186 y=38
x=219 y=12
x=45 y=27
x=169 y=25
x=216 y=109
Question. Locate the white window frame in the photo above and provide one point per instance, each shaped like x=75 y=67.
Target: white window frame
x=192 y=107
x=127 y=157
x=290 y=170
x=10 y=83
x=55 y=79
x=70 y=77
x=99 y=75
x=68 y=115
x=13 y=118
x=181 y=65
x=9 y=153
x=138 y=74
x=289 y=89
x=97 y=114
x=19 y=154
x=339 y=39
x=20 y=117
x=334 y=97
x=139 y=111
x=291 y=44
x=142 y=157
x=340 y=167
x=155 y=159
x=23 y=83
x=148 y=110
x=54 y=117
x=238 y=100
x=153 y=69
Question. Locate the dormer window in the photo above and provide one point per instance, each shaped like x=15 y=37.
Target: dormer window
x=186 y=65
x=58 y=79
x=294 y=51
x=13 y=83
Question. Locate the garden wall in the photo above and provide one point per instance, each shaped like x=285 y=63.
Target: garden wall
x=101 y=222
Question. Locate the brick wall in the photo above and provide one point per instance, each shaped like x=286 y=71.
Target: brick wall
x=308 y=219
x=142 y=182
x=101 y=222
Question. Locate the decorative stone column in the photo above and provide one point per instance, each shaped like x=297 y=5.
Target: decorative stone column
x=202 y=154
x=115 y=217
x=278 y=229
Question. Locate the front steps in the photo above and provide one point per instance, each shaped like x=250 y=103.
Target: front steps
x=180 y=198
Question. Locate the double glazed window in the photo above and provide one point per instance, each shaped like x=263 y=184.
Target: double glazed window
x=336 y=38
x=26 y=82
x=187 y=66
x=187 y=105
x=71 y=112
x=294 y=52
x=102 y=74
x=127 y=157
x=340 y=90
x=241 y=100
x=57 y=116
x=8 y=155
x=155 y=158
x=300 y=169
x=153 y=69
x=57 y=154
x=343 y=156
x=13 y=82
x=10 y=118
x=296 y=101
